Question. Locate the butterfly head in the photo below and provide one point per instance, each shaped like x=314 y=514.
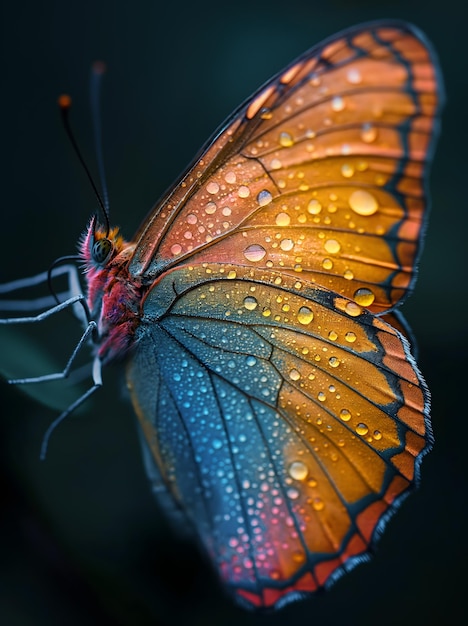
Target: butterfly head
x=112 y=298
x=98 y=246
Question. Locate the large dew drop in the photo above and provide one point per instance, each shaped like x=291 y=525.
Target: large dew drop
x=363 y=203
x=298 y=470
x=332 y=246
x=250 y=303
x=314 y=207
x=254 y=253
x=305 y=315
x=283 y=219
x=264 y=197
x=286 y=140
x=364 y=297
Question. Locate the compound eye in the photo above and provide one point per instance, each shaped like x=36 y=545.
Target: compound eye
x=102 y=250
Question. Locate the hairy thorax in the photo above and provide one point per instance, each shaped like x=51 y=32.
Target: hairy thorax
x=113 y=296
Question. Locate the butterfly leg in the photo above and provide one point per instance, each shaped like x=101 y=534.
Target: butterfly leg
x=89 y=330
x=97 y=383
x=72 y=299
x=45 y=302
x=96 y=370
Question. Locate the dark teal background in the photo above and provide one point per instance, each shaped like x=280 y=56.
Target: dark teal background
x=81 y=538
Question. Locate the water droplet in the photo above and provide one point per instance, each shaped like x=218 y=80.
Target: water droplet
x=212 y=187
x=217 y=444
x=210 y=208
x=354 y=76
x=250 y=360
x=266 y=312
x=332 y=246
x=314 y=207
x=305 y=315
x=192 y=218
x=294 y=374
x=283 y=219
x=292 y=493
x=368 y=133
x=230 y=178
x=337 y=103
x=347 y=170
x=264 y=197
x=318 y=504
x=255 y=252
x=250 y=303
x=332 y=335
x=176 y=249
x=363 y=203
x=350 y=337
x=286 y=140
x=232 y=274
x=287 y=244
x=275 y=164
x=362 y=429
x=334 y=361
x=348 y=274
x=353 y=309
x=298 y=470
x=243 y=191
x=364 y=297
x=298 y=556
x=377 y=435
x=345 y=415
x=226 y=211
x=327 y=264
x=321 y=396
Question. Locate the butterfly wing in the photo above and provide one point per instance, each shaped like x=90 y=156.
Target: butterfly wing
x=283 y=419
x=321 y=173
x=285 y=423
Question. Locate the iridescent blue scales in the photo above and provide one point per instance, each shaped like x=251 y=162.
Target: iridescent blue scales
x=283 y=418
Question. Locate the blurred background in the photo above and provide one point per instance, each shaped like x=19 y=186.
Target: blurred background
x=81 y=538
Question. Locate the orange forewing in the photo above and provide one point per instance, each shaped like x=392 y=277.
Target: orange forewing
x=320 y=174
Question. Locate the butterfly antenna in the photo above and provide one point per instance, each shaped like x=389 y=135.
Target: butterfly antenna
x=97 y=72
x=64 y=103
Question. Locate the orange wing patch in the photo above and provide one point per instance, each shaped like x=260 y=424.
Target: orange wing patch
x=321 y=174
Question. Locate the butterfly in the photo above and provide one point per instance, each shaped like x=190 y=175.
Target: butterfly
x=282 y=415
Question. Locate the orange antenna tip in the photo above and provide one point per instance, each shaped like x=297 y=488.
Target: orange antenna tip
x=64 y=101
